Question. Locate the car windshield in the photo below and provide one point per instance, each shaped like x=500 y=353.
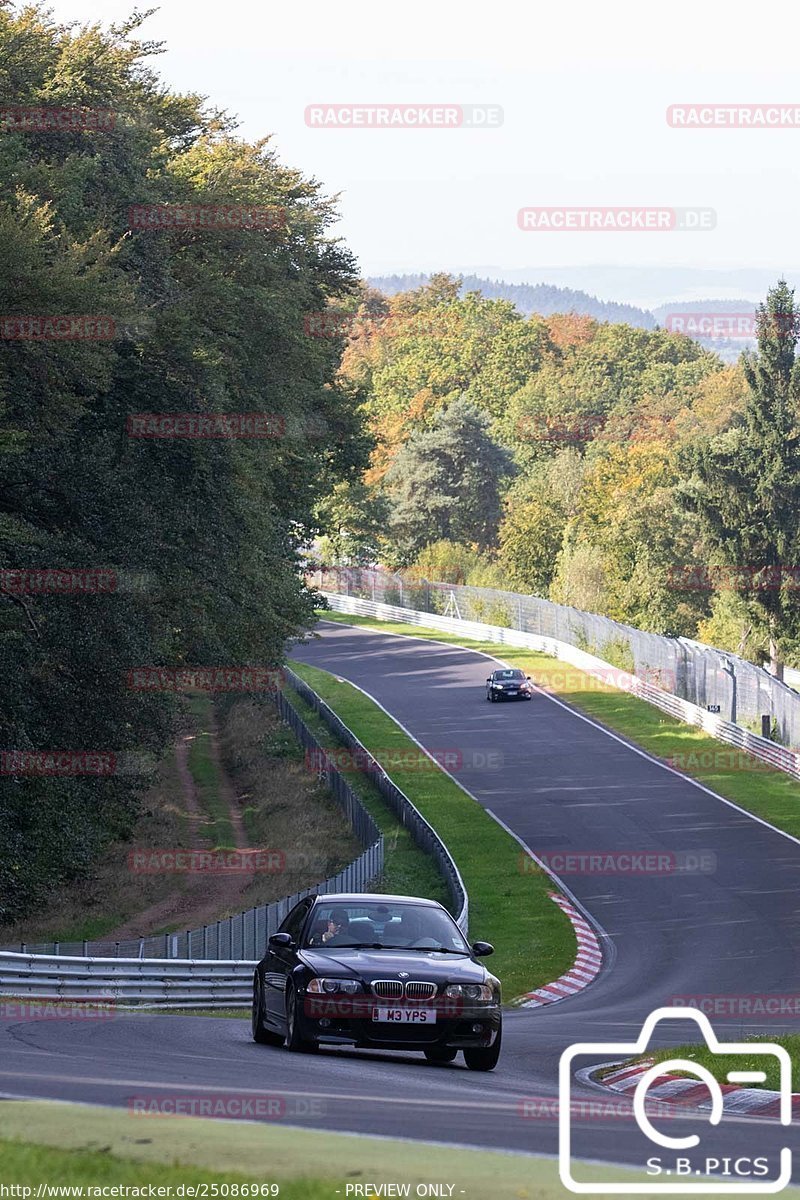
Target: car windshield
x=384 y=926
x=509 y=674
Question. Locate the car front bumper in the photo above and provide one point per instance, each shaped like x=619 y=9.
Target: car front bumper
x=326 y=1020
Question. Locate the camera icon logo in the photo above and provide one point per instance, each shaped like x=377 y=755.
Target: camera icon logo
x=764 y=1050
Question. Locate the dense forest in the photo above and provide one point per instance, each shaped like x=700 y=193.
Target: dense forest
x=621 y=470
x=183 y=551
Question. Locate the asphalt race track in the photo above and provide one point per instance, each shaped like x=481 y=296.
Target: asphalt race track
x=560 y=783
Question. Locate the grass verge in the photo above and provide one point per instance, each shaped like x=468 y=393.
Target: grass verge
x=408 y=870
x=85 y=1146
x=509 y=903
x=720 y=1064
x=731 y=773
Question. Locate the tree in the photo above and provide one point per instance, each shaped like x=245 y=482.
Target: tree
x=445 y=484
x=745 y=484
x=202 y=535
x=537 y=509
x=353 y=517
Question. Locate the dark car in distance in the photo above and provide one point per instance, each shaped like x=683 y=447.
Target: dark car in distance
x=508 y=683
x=381 y=972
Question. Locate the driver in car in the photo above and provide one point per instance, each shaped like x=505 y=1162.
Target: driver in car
x=336 y=932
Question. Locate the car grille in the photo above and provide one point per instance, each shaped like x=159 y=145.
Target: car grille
x=393 y=989
x=390 y=988
x=416 y=990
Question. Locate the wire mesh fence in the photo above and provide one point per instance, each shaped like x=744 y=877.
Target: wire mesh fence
x=713 y=679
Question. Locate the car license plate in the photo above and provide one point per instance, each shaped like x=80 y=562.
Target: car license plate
x=405 y=1016
x=512 y=693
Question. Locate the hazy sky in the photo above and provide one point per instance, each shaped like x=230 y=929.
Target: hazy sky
x=584 y=87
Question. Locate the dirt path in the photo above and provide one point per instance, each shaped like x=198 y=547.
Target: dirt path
x=203 y=897
x=226 y=788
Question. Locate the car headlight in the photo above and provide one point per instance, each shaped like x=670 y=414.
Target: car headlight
x=468 y=991
x=498 y=685
x=332 y=987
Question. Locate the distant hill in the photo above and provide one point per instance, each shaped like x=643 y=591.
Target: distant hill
x=542 y=298
x=730 y=324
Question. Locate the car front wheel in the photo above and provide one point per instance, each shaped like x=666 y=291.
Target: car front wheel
x=263 y=1036
x=479 y=1058
x=294 y=1041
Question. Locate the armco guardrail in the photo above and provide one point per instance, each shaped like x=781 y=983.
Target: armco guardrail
x=121 y=982
x=421 y=831
x=761 y=748
x=244 y=935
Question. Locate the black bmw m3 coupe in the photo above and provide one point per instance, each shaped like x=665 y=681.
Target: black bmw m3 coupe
x=383 y=972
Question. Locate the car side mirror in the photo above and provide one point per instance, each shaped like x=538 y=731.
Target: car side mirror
x=482 y=949
x=528 y=678
x=281 y=940
x=488 y=679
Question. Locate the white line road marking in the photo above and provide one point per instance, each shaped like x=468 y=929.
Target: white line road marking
x=227 y=1090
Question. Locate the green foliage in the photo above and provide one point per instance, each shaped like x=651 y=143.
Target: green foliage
x=445 y=483
x=354 y=518
x=537 y=509
x=446 y=562
x=745 y=484
x=203 y=534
